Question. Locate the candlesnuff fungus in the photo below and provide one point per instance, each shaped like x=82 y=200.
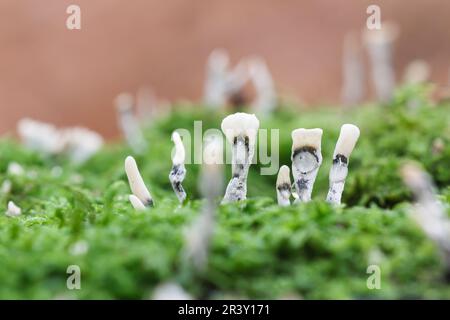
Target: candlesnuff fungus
x=306 y=160
x=211 y=174
x=197 y=240
x=146 y=104
x=135 y=202
x=178 y=172
x=240 y=130
x=266 y=97
x=353 y=89
x=236 y=78
x=221 y=81
x=140 y=197
x=40 y=136
x=128 y=123
x=428 y=212
x=216 y=71
x=80 y=143
x=344 y=146
x=198 y=235
x=283 y=186
x=380 y=46
x=76 y=142
x=13 y=210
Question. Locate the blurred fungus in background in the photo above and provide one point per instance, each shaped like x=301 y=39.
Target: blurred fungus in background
x=65 y=77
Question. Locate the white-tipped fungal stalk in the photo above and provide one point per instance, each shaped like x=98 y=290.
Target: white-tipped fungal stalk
x=353 y=89
x=236 y=79
x=240 y=130
x=136 y=203
x=221 y=82
x=216 y=74
x=306 y=160
x=428 y=212
x=178 y=172
x=40 y=136
x=146 y=104
x=338 y=173
x=137 y=185
x=283 y=186
x=13 y=210
x=129 y=124
x=211 y=175
x=266 y=98
x=380 y=47
x=197 y=239
x=198 y=236
x=78 y=143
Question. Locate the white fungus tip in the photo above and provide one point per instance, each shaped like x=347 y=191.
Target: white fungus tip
x=388 y=33
x=218 y=58
x=180 y=154
x=283 y=186
x=213 y=151
x=130 y=163
x=347 y=140
x=124 y=101
x=77 y=142
x=13 y=210
x=40 y=136
x=307 y=137
x=257 y=65
x=240 y=124
x=283 y=176
x=136 y=203
x=136 y=182
x=211 y=178
x=80 y=143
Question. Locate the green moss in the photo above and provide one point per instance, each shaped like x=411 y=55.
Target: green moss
x=259 y=250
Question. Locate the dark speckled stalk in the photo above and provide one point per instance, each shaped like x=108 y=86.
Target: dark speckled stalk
x=306 y=162
x=241 y=161
x=176 y=177
x=338 y=173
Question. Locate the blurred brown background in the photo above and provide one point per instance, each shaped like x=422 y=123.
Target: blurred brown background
x=71 y=76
